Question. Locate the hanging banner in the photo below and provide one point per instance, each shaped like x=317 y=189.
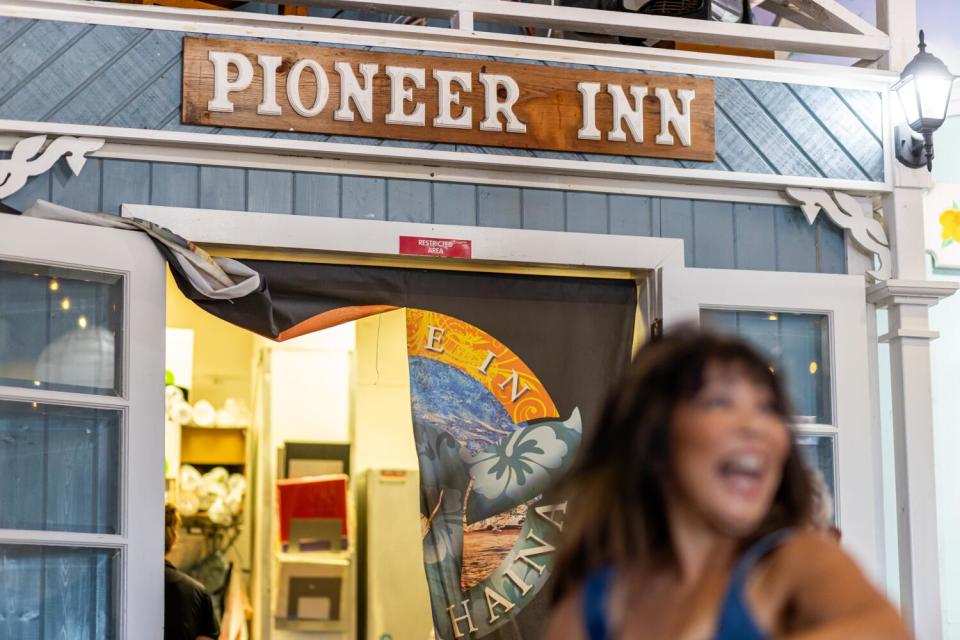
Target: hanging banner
x=507 y=373
x=490 y=441
x=296 y=87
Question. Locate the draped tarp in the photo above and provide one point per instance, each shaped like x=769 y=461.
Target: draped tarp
x=200 y=273
x=506 y=374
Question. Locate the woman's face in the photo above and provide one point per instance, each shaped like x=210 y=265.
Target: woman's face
x=728 y=447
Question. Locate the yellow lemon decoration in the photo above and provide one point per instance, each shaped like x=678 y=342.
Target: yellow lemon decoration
x=950 y=225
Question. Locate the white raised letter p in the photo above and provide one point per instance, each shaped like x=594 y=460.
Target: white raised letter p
x=222 y=85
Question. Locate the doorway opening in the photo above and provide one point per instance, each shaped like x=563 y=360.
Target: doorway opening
x=251 y=423
x=349 y=413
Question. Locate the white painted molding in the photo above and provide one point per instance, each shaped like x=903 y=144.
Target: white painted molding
x=281 y=232
x=846 y=212
x=907 y=294
x=430 y=161
x=27 y=160
x=925 y=293
x=351 y=32
x=625 y=185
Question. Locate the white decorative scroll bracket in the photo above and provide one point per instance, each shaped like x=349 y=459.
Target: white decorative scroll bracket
x=29 y=159
x=847 y=213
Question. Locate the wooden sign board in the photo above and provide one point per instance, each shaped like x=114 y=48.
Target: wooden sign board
x=295 y=87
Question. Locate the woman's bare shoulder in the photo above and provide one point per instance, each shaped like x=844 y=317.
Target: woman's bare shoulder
x=823 y=585
x=810 y=558
x=566 y=618
x=806 y=544
x=811 y=555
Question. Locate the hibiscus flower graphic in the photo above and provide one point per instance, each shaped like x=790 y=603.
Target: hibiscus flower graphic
x=522 y=462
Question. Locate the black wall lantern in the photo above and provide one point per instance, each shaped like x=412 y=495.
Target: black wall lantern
x=924 y=91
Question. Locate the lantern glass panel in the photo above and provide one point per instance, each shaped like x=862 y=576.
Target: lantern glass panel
x=907 y=92
x=934 y=91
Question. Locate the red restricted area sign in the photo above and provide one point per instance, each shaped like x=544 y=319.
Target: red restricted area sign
x=436 y=247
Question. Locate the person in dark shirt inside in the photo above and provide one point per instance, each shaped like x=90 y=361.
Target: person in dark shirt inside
x=188 y=610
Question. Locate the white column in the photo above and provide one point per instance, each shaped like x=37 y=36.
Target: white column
x=898 y=19
x=462 y=20
x=908 y=298
x=909 y=336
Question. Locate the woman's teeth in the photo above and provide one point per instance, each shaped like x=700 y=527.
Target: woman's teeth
x=747 y=464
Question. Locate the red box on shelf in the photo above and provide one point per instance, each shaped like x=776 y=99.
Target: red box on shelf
x=317 y=498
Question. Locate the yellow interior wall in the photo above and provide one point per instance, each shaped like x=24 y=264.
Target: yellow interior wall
x=383 y=426
x=376 y=395
x=222 y=353
x=383 y=439
x=222 y=368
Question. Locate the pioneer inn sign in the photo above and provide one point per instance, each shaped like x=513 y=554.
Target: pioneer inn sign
x=292 y=87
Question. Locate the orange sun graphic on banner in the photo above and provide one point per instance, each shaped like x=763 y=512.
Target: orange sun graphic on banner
x=482 y=357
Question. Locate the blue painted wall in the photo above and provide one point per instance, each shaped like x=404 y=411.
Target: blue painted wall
x=125 y=77
x=716 y=234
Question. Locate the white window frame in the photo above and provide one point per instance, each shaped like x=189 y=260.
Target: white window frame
x=139 y=588
x=842 y=298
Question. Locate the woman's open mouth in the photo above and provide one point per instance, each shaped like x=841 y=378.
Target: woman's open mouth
x=744 y=473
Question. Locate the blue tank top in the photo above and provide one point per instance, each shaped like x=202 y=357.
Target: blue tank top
x=735 y=623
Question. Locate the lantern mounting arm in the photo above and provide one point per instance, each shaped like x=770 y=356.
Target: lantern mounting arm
x=914 y=150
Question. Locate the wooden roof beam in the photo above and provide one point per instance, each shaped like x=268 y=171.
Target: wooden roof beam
x=784 y=11
x=855 y=45
x=827 y=15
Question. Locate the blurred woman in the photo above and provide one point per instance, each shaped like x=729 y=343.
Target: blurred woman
x=187 y=608
x=690 y=514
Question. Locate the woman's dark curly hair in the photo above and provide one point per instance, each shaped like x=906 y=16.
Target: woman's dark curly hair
x=617 y=487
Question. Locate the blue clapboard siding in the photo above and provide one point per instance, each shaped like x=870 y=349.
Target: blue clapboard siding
x=716 y=235
x=128 y=77
x=58 y=592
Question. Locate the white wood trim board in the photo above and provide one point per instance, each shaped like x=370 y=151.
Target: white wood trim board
x=380 y=238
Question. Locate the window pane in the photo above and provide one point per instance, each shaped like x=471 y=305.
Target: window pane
x=61 y=468
x=818 y=453
x=797 y=345
x=60 y=328
x=58 y=592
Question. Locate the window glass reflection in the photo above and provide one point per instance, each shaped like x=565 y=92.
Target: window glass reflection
x=798 y=348
x=60 y=328
x=61 y=468
x=818 y=452
x=58 y=592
